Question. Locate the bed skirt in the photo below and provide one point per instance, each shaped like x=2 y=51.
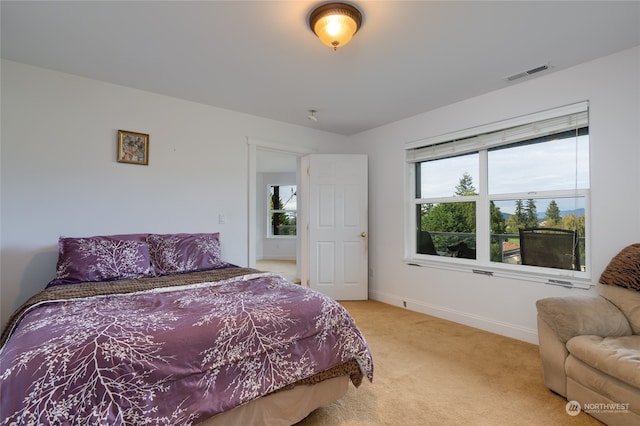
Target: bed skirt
x=284 y=408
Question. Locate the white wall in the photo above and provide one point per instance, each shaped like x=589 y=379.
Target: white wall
x=59 y=175
x=612 y=86
x=272 y=248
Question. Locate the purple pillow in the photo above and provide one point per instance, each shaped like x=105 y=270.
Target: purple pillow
x=102 y=258
x=175 y=253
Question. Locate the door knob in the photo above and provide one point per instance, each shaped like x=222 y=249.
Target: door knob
x=363 y=235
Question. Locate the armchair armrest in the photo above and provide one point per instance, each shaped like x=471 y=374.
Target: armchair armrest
x=560 y=319
x=574 y=316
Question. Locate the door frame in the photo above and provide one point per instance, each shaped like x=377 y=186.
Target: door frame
x=254 y=145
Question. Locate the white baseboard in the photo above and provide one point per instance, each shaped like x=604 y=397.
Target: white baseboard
x=283 y=257
x=488 y=324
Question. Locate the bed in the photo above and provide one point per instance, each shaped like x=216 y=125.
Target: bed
x=156 y=329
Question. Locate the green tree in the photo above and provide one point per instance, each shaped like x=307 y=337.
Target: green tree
x=574 y=222
x=465 y=186
x=458 y=217
x=517 y=220
x=513 y=225
x=519 y=213
x=578 y=223
x=450 y=217
x=466 y=212
x=525 y=216
x=552 y=215
x=498 y=226
x=531 y=213
x=276 y=218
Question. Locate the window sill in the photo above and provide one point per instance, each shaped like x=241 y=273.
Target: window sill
x=568 y=279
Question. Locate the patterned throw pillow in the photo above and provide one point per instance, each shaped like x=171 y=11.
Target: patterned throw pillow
x=624 y=269
x=176 y=253
x=102 y=258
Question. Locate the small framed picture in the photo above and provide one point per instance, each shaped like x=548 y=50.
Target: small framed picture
x=133 y=147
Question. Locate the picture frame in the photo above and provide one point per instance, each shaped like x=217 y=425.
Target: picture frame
x=133 y=147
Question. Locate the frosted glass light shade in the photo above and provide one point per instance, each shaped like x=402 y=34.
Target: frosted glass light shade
x=335 y=23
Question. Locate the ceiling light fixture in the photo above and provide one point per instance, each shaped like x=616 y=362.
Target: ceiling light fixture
x=312 y=115
x=335 y=23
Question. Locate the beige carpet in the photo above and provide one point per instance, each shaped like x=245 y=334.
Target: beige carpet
x=286 y=268
x=430 y=371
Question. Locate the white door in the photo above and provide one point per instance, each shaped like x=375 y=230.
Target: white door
x=338 y=201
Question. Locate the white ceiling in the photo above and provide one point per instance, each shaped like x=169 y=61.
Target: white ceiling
x=260 y=57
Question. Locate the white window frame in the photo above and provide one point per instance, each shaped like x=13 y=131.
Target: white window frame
x=269 y=212
x=480 y=139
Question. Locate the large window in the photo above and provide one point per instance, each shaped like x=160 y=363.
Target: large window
x=496 y=198
x=282 y=210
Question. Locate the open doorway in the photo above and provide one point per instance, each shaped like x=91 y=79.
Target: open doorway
x=286 y=268
x=276 y=213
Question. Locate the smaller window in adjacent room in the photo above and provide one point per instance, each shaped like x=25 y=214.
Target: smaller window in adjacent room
x=282 y=211
x=508 y=196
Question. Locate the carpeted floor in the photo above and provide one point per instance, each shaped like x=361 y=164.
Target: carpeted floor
x=430 y=371
x=286 y=268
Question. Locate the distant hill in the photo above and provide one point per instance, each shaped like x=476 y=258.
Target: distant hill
x=563 y=213
x=577 y=212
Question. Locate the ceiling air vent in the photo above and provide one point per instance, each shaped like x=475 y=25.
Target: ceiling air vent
x=529 y=72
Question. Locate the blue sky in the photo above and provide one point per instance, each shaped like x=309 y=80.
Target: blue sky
x=555 y=165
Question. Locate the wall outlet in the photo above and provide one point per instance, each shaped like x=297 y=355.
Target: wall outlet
x=222 y=219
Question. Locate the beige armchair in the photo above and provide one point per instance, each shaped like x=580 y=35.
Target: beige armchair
x=590 y=346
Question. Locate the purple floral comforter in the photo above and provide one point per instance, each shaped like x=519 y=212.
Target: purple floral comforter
x=175 y=355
